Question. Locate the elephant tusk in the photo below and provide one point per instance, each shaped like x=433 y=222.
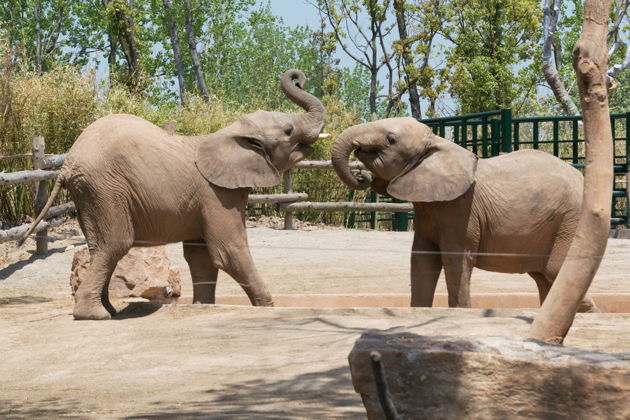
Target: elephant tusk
x=323 y=136
x=356 y=144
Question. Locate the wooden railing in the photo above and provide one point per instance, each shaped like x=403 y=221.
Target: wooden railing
x=288 y=201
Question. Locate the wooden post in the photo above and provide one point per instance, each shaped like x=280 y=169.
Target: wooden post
x=287 y=188
x=41 y=195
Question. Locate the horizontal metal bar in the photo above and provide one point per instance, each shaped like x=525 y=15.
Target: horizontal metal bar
x=582 y=166
x=544 y=119
x=461 y=117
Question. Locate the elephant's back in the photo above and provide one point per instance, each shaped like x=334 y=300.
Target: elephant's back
x=126 y=142
x=131 y=156
x=117 y=133
x=532 y=173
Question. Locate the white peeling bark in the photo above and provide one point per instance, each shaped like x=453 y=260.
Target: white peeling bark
x=551 y=13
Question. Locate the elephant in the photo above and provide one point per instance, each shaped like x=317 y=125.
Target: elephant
x=135 y=185
x=513 y=213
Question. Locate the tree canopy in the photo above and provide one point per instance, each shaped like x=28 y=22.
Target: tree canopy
x=400 y=57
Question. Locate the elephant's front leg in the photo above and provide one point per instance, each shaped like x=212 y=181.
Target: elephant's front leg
x=458 y=265
x=203 y=273
x=426 y=266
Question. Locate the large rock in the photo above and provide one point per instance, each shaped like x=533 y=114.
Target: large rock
x=487 y=378
x=144 y=272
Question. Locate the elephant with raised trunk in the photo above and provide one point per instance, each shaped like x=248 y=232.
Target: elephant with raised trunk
x=514 y=213
x=134 y=185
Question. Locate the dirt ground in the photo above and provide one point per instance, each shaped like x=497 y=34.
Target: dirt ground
x=201 y=361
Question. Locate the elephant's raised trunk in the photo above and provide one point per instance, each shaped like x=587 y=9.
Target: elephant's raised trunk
x=310 y=124
x=343 y=146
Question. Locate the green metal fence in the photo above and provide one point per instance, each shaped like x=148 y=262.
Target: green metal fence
x=490 y=133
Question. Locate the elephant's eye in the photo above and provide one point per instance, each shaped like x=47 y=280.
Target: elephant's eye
x=288 y=130
x=391 y=139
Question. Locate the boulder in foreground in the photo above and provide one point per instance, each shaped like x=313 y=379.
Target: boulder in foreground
x=487 y=378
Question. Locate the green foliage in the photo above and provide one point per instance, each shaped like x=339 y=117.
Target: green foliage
x=619 y=100
x=36 y=30
x=492 y=38
x=485 y=53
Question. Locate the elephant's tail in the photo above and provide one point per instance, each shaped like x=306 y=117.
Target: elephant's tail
x=42 y=214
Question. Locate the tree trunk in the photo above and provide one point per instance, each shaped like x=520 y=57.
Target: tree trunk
x=113 y=47
x=414 y=98
x=177 y=52
x=38 y=38
x=128 y=39
x=194 y=56
x=373 y=85
x=551 y=13
x=590 y=60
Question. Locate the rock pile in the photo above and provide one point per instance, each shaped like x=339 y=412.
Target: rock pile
x=144 y=272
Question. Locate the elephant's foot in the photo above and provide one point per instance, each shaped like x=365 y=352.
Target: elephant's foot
x=588 y=306
x=262 y=301
x=204 y=297
x=90 y=309
x=205 y=301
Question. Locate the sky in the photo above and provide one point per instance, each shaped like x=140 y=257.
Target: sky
x=301 y=12
x=295 y=12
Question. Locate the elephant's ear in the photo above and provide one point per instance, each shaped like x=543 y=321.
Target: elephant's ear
x=444 y=173
x=235 y=162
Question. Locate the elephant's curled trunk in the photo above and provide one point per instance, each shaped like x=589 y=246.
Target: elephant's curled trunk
x=343 y=146
x=311 y=123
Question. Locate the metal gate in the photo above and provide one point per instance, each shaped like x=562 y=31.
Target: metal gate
x=490 y=133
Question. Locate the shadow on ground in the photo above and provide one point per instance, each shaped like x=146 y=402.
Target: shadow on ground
x=137 y=310
x=12 y=268
x=44 y=409
x=324 y=394
x=23 y=300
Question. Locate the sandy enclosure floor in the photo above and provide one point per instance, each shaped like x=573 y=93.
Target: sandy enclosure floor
x=207 y=361
x=306 y=261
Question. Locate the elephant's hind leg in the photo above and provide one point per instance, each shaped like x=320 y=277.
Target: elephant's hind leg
x=203 y=273
x=108 y=239
x=90 y=297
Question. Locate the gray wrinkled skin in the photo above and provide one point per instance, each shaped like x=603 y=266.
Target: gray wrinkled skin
x=134 y=185
x=514 y=213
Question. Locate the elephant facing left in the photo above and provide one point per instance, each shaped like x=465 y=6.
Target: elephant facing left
x=135 y=185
